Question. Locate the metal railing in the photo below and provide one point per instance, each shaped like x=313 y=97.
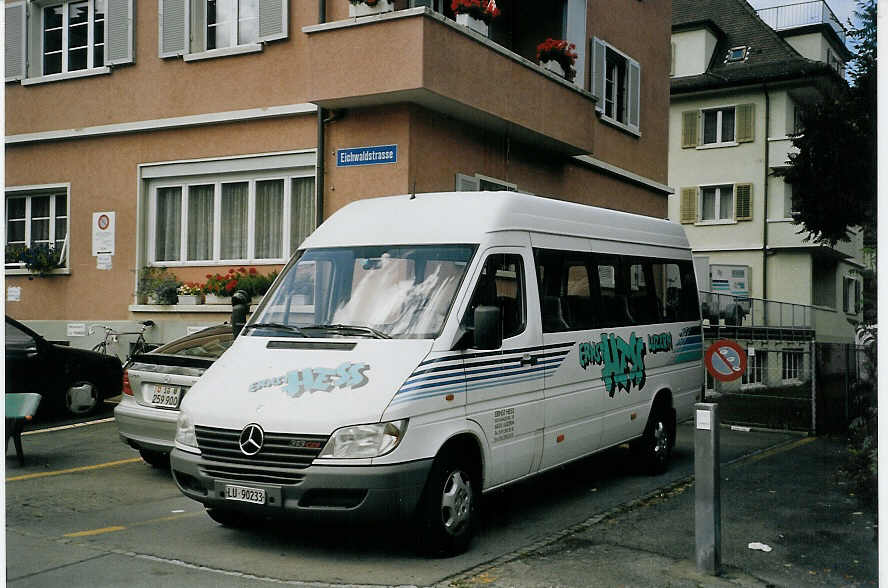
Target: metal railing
x=800 y=14
x=727 y=310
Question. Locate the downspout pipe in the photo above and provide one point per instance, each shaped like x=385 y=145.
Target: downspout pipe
x=319 y=165
x=765 y=192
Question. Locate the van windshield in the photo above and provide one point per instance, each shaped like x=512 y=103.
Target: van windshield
x=393 y=291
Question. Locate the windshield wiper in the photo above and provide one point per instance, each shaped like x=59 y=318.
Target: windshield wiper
x=276 y=326
x=340 y=328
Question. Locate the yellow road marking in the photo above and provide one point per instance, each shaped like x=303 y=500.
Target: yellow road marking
x=782 y=448
x=94 y=532
x=74 y=470
x=112 y=529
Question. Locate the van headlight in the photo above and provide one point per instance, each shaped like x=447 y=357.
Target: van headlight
x=185 y=431
x=365 y=440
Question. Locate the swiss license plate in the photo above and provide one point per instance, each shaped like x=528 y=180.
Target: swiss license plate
x=245 y=494
x=166 y=396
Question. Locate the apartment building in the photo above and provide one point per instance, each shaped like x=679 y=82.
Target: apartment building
x=738 y=79
x=202 y=135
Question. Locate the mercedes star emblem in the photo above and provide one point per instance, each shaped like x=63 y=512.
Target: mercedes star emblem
x=251 y=439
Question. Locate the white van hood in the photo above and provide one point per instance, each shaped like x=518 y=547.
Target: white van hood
x=300 y=385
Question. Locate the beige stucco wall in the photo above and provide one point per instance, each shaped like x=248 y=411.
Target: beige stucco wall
x=693 y=52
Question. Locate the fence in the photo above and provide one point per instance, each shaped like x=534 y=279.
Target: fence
x=804 y=386
x=790 y=16
x=731 y=314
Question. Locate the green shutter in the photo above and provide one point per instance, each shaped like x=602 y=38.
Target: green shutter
x=743 y=202
x=688 y=212
x=690 y=119
x=745 y=123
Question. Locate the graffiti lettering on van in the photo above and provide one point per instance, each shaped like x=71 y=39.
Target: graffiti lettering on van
x=659 y=342
x=621 y=361
x=298 y=382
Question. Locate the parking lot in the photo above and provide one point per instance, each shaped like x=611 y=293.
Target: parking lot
x=85 y=510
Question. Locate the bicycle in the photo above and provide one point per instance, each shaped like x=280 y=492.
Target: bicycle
x=140 y=345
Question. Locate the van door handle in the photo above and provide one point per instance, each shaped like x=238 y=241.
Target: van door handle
x=528 y=359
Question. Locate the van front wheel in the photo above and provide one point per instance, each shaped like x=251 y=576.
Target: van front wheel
x=448 y=510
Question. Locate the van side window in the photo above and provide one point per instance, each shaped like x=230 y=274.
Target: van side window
x=568 y=291
x=501 y=284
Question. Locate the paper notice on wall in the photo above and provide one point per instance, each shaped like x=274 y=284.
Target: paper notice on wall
x=704 y=420
x=103 y=261
x=103 y=233
x=76 y=329
x=14 y=294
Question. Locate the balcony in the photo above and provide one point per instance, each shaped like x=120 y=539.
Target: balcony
x=419 y=56
x=736 y=317
x=801 y=14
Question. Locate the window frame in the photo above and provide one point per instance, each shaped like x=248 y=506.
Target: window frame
x=717 y=205
x=602 y=54
x=719 y=140
x=792 y=364
x=185 y=183
x=850 y=298
x=756 y=370
x=65 y=49
x=28 y=192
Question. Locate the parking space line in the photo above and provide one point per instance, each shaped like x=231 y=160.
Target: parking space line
x=65 y=427
x=94 y=532
x=114 y=528
x=780 y=449
x=74 y=470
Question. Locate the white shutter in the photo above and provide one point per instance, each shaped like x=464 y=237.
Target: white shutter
x=272 y=20
x=171 y=36
x=119 y=32
x=466 y=183
x=599 y=65
x=16 y=41
x=634 y=93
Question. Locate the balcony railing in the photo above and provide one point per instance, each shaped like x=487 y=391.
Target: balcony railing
x=793 y=16
x=769 y=318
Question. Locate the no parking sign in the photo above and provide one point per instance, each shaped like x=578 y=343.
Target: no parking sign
x=725 y=360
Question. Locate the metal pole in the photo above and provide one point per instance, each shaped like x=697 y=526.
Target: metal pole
x=707 y=494
x=813 y=356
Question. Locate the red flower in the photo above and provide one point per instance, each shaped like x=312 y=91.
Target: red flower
x=485 y=10
x=231 y=285
x=561 y=52
x=253 y=271
x=209 y=276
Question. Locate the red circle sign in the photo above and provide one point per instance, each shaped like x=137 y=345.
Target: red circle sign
x=725 y=360
x=104 y=221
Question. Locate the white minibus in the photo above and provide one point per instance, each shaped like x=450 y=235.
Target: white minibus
x=421 y=350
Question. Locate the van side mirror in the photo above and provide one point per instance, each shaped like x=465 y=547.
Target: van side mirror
x=488 y=328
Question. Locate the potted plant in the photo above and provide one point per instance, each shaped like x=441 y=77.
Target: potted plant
x=190 y=293
x=39 y=259
x=475 y=14
x=368 y=7
x=558 y=56
x=219 y=287
x=157 y=285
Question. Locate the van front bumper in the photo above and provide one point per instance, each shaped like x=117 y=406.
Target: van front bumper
x=325 y=493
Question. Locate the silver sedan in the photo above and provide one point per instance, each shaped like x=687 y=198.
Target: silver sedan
x=154 y=385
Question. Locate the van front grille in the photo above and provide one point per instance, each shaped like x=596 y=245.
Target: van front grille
x=252 y=474
x=279 y=450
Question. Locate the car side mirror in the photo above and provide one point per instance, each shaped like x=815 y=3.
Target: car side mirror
x=488 y=332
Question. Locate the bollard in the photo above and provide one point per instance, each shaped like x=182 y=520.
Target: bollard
x=707 y=494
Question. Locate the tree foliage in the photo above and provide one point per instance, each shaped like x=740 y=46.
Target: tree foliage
x=834 y=172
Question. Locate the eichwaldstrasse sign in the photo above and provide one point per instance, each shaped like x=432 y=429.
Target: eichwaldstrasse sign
x=375 y=155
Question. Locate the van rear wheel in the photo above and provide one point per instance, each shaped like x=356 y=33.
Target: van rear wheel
x=655 y=446
x=448 y=510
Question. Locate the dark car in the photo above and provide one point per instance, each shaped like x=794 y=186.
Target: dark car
x=154 y=386
x=74 y=380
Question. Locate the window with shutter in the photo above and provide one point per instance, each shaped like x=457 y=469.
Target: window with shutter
x=599 y=51
x=119 y=22
x=16 y=40
x=688 y=206
x=743 y=202
x=719 y=126
x=616 y=83
x=689 y=128
x=745 y=123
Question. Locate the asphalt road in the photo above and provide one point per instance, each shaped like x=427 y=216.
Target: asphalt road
x=86 y=511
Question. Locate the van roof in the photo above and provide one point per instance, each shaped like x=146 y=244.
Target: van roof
x=466 y=217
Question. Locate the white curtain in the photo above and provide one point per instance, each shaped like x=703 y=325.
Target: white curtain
x=168 y=228
x=234 y=220
x=200 y=222
x=269 y=219
x=302 y=211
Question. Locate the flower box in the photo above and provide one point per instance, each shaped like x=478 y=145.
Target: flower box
x=475 y=24
x=216 y=299
x=364 y=9
x=554 y=67
x=190 y=299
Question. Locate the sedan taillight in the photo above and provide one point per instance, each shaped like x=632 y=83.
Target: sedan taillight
x=126 y=385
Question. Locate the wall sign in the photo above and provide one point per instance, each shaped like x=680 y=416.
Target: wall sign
x=103 y=233
x=375 y=155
